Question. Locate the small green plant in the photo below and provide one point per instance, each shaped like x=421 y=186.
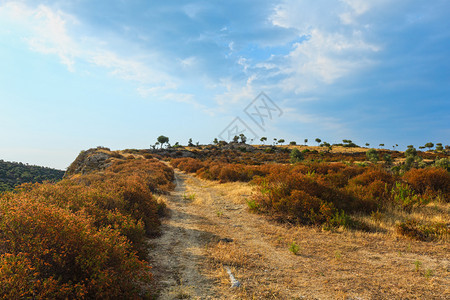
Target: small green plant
x=340 y=218
x=428 y=273
x=190 y=197
x=294 y=248
x=337 y=255
x=252 y=205
x=417 y=265
x=220 y=213
x=376 y=216
x=404 y=196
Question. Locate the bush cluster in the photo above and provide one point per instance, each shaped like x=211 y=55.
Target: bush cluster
x=82 y=237
x=325 y=193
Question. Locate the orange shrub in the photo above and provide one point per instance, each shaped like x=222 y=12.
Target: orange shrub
x=62 y=255
x=373 y=174
x=435 y=180
x=78 y=238
x=190 y=165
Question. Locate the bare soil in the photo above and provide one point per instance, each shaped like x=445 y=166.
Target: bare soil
x=209 y=228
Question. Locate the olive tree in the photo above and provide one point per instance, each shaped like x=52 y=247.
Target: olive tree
x=163 y=140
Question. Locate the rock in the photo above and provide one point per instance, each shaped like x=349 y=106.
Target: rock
x=95 y=159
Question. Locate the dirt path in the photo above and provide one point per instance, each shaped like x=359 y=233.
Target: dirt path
x=177 y=255
x=210 y=228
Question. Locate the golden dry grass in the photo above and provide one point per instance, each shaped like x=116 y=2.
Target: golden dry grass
x=343 y=264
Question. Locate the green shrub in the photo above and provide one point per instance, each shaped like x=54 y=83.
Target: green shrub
x=296 y=156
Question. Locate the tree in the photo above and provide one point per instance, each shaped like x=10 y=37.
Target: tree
x=381 y=145
x=411 y=157
x=263 y=139
x=235 y=139
x=411 y=151
x=190 y=144
x=216 y=141
x=349 y=143
x=429 y=145
x=318 y=141
x=296 y=156
x=243 y=138
x=367 y=144
x=293 y=143
x=281 y=141
x=163 y=140
x=439 y=147
x=306 y=141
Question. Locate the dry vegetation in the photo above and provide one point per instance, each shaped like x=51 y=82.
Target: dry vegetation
x=332 y=195
x=83 y=237
x=331 y=226
x=338 y=264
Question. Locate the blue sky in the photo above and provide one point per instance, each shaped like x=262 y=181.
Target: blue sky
x=80 y=74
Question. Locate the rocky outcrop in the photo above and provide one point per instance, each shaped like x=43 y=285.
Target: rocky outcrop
x=95 y=159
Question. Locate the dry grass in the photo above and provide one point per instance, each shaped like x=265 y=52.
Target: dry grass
x=329 y=265
x=385 y=222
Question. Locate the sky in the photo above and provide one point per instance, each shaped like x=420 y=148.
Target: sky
x=78 y=74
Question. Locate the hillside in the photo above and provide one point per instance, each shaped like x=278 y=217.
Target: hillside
x=13 y=174
x=189 y=222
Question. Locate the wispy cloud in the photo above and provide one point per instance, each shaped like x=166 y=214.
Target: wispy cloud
x=54 y=32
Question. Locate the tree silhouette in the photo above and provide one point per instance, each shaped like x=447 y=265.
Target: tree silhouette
x=163 y=140
x=243 y=138
x=429 y=145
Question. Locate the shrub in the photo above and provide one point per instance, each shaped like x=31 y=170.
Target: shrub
x=423 y=231
x=372 y=155
x=296 y=156
x=405 y=197
x=434 y=180
x=188 y=164
x=442 y=163
x=62 y=255
x=370 y=175
x=80 y=238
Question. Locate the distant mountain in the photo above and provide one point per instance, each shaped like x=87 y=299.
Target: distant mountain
x=13 y=174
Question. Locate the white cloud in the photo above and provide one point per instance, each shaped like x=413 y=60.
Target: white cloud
x=332 y=48
x=54 y=32
x=188 y=62
x=46 y=30
x=324 y=58
x=235 y=92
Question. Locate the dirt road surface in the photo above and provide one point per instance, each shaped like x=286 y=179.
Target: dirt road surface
x=209 y=228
